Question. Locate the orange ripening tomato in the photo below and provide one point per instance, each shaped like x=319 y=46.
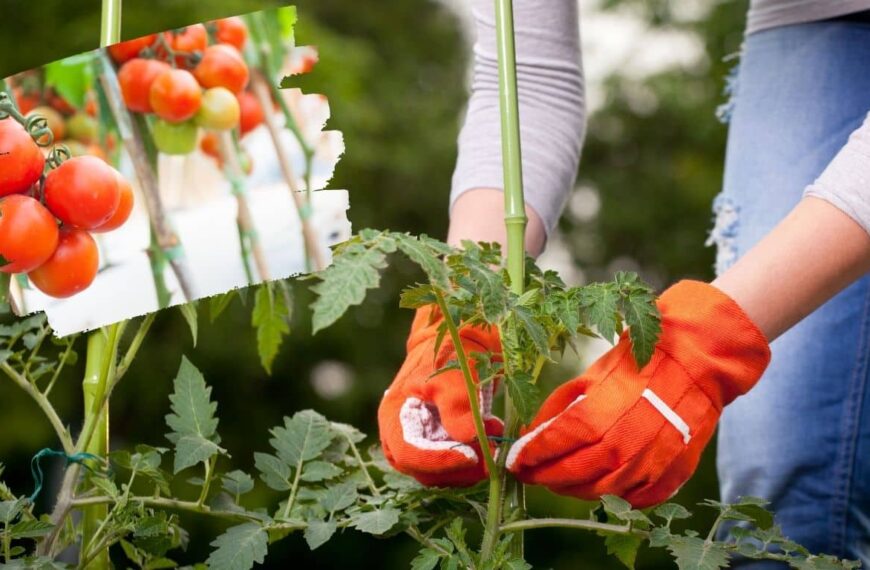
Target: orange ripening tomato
x=125 y=207
x=211 y=145
x=28 y=234
x=175 y=95
x=222 y=66
x=91 y=107
x=57 y=102
x=232 y=31
x=21 y=160
x=251 y=112
x=72 y=268
x=83 y=192
x=125 y=51
x=26 y=101
x=136 y=77
x=191 y=39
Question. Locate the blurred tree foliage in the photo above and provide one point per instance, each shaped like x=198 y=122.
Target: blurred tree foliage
x=395 y=80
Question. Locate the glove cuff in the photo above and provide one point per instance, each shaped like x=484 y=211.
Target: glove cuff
x=713 y=339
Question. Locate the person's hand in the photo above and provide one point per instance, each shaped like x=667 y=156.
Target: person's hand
x=639 y=434
x=426 y=425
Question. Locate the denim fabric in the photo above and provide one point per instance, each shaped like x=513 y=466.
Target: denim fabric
x=801 y=438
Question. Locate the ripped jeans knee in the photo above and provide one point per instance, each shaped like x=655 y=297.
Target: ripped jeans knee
x=724 y=232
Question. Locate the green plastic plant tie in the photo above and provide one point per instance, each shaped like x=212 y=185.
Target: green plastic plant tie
x=36 y=467
x=236 y=187
x=174 y=253
x=305 y=211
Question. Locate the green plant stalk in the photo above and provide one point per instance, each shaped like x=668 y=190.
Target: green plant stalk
x=110 y=23
x=515 y=224
x=100 y=369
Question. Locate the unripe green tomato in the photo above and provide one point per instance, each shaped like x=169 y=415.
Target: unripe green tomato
x=219 y=110
x=83 y=128
x=175 y=138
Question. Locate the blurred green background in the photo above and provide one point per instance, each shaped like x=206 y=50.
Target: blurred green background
x=395 y=77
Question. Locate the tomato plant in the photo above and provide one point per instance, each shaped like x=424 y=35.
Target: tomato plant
x=83 y=192
x=21 y=160
x=222 y=66
x=189 y=40
x=174 y=138
x=136 y=78
x=71 y=268
x=28 y=234
x=125 y=208
x=251 y=112
x=56 y=122
x=175 y=95
x=219 y=110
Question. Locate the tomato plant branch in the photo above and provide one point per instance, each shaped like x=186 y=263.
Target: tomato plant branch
x=44 y=404
x=61 y=363
x=247 y=233
x=206 y=483
x=133 y=349
x=530 y=524
x=309 y=236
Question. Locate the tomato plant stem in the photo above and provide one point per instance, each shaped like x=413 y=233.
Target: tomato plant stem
x=530 y=524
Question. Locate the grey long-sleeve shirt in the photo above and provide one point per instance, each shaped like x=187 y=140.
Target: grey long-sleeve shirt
x=550 y=81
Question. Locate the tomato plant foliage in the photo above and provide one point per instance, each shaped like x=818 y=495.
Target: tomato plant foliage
x=324 y=477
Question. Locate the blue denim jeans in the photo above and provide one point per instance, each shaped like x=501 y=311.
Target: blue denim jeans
x=801 y=437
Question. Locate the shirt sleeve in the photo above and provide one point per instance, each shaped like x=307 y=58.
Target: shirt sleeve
x=551 y=101
x=845 y=183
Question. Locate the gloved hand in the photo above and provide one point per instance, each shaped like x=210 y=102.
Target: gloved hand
x=425 y=421
x=636 y=433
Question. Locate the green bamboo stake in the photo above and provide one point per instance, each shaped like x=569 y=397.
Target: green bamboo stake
x=504 y=491
x=101 y=359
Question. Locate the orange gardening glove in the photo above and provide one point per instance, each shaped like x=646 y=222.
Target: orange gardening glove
x=639 y=434
x=425 y=421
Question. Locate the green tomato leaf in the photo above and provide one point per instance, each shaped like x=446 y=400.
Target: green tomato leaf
x=319 y=532
x=273 y=472
x=237 y=483
x=239 y=548
x=339 y=497
x=525 y=395
x=316 y=471
x=428 y=260
x=302 y=438
x=624 y=547
x=188 y=311
x=218 y=304
x=30 y=529
x=693 y=553
x=427 y=559
x=269 y=317
x=600 y=301
x=193 y=422
x=377 y=522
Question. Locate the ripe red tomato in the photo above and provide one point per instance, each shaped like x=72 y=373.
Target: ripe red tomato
x=21 y=161
x=28 y=233
x=251 y=112
x=232 y=31
x=125 y=51
x=72 y=268
x=83 y=192
x=222 y=66
x=54 y=119
x=175 y=95
x=125 y=207
x=136 y=77
x=219 y=110
x=191 y=39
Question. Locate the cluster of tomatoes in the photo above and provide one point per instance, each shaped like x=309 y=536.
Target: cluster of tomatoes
x=47 y=218
x=188 y=84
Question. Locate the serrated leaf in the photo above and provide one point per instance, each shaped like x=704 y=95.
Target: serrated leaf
x=30 y=529
x=273 y=472
x=316 y=471
x=423 y=256
x=672 y=511
x=339 y=497
x=218 y=304
x=351 y=433
x=239 y=548
x=269 y=317
x=621 y=509
x=600 y=301
x=693 y=553
x=644 y=324
x=534 y=329
x=417 y=296
x=354 y=270
x=377 y=522
x=427 y=559
x=624 y=547
x=188 y=311
x=9 y=510
x=193 y=422
x=237 y=483
x=319 y=532
x=302 y=437
x=525 y=396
